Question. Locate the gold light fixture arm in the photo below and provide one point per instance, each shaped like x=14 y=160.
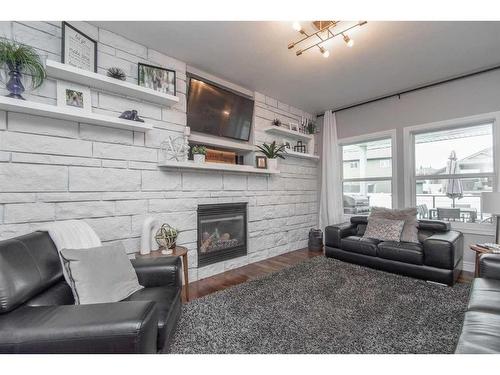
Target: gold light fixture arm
x=330 y=35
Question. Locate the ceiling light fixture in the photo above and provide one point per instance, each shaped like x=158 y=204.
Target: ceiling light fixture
x=296 y=26
x=348 y=41
x=325 y=31
x=324 y=52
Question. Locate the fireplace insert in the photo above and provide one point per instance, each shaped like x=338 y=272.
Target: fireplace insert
x=222 y=232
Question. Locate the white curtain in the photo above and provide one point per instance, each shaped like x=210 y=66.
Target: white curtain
x=330 y=209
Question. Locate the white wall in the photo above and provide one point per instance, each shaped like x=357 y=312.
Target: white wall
x=56 y=170
x=470 y=96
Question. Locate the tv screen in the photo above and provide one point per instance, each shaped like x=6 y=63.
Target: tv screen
x=214 y=110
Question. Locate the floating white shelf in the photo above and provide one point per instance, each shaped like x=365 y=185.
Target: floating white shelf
x=216 y=167
x=301 y=155
x=101 y=82
x=208 y=140
x=69 y=114
x=288 y=132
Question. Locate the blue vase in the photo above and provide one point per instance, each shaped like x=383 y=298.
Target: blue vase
x=15 y=86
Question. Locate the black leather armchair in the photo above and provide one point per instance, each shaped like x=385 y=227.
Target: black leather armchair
x=437 y=256
x=38 y=315
x=481 y=328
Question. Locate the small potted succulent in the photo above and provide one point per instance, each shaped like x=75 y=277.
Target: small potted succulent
x=272 y=151
x=116 y=73
x=20 y=62
x=276 y=122
x=199 y=153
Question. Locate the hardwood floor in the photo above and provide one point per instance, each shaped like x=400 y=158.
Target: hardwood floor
x=252 y=271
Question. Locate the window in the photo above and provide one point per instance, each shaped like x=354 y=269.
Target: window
x=369 y=183
x=452 y=168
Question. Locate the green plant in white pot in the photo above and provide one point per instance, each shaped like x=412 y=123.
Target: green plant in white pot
x=199 y=153
x=272 y=151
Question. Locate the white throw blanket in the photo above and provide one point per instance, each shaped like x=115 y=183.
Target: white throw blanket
x=72 y=234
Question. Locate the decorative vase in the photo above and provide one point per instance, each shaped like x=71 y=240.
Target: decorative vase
x=15 y=85
x=166 y=237
x=199 y=158
x=272 y=164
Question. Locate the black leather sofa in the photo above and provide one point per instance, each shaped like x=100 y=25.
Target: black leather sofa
x=481 y=328
x=438 y=257
x=38 y=315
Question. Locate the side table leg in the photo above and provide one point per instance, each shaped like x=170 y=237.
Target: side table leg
x=476 y=269
x=186 y=277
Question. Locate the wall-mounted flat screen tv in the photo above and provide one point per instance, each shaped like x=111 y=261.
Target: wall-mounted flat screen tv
x=217 y=111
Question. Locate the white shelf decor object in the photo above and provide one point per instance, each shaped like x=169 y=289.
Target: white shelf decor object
x=288 y=133
x=301 y=155
x=209 y=140
x=102 y=82
x=216 y=167
x=70 y=114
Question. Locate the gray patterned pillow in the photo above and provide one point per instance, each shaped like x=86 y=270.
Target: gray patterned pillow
x=384 y=229
x=409 y=215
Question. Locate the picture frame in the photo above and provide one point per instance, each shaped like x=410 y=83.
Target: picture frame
x=293 y=127
x=157 y=78
x=73 y=96
x=261 y=162
x=78 y=49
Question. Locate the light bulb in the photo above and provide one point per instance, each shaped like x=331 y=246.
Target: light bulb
x=324 y=52
x=296 y=26
x=348 y=41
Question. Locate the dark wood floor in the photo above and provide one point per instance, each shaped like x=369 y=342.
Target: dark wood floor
x=243 y=274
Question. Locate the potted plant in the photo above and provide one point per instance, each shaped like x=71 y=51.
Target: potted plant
x=18 y=60
x=199 y=153
x=276 y=122
x=272 y=151
x=311 y=127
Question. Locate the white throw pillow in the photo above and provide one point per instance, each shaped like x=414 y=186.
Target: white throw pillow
x=100 y=274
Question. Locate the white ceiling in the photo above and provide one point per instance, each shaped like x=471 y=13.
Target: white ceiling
x=387 y=56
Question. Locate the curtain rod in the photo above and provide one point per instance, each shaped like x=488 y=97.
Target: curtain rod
x=414 y=89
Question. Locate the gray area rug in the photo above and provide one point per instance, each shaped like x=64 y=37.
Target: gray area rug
x=325 y=306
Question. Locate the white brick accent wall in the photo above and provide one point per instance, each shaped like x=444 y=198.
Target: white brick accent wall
x=57 y=170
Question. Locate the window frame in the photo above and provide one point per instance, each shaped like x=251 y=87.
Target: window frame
x=410 y=177
x=390 y=134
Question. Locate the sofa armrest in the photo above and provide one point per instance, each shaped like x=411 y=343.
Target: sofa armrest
x=160 y=271
x=334 y=233
x=121 y=327
x=489 y=266
x=444 y=250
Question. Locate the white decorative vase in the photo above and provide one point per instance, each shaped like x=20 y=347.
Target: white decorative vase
x=272 y=164
x=199 y=158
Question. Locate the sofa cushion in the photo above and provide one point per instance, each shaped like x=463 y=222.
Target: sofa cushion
x=480 y=333
x=406 y=252
x=168 y=304
x=485 y=296
x=360 y=245
x=29 y=264
x=384 y=229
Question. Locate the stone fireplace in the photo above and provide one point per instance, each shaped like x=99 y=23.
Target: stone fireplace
x=222 y=232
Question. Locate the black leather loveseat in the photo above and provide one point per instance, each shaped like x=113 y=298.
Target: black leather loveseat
x=38 y=315
x=481 y=328
x=438 y=256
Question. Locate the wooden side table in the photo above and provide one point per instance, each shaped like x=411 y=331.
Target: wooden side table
x=179 y=251
x=478 y=250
